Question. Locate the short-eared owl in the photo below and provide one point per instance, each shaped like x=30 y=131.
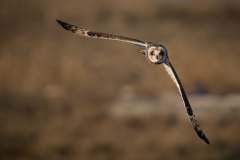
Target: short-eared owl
x=156 y=54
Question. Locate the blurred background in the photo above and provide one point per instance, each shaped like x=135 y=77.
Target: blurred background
x=64 y=96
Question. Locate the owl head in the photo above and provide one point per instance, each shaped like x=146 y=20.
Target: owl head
x=156 y=54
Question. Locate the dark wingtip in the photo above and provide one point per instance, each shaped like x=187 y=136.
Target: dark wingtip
x=63 y=24
x=207 y=141
x=203 y=137
x=59 y=21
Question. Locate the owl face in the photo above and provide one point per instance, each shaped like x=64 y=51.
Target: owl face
x=156 y=55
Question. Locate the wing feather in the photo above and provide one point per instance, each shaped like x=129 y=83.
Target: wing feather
x=172 y=73
x=94 y=34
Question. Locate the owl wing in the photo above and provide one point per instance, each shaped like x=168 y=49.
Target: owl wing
x=172 y=73
x=94 y=34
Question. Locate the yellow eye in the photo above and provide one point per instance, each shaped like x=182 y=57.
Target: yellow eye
x=152 y=53
x=161 y=53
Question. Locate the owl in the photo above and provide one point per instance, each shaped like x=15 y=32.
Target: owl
x=156 y=54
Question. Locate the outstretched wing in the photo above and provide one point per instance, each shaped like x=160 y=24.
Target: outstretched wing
x=172 y=73
x=94 y=34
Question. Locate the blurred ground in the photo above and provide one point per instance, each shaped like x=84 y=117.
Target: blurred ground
x=64 y=96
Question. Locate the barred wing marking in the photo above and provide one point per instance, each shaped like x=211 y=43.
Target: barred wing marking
x=94 y=34
x=172 y=73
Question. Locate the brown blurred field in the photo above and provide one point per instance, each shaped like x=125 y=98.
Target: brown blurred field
x=57 y=89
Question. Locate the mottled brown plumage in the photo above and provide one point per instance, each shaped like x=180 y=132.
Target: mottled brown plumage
x=156 y=54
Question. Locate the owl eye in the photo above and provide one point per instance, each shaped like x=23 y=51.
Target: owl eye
x=152 y=53
x=161 y=53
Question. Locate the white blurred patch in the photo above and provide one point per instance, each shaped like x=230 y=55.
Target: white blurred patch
x=204 y=106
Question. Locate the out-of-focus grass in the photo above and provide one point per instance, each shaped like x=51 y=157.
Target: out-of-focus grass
x=55 y=87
